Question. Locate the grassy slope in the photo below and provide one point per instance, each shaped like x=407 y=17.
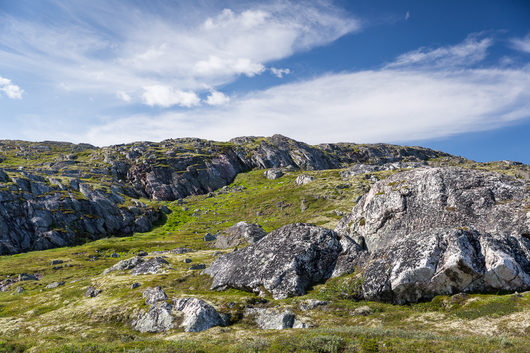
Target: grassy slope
x=62 y=319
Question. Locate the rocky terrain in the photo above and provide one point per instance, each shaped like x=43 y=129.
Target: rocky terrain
x=191 y=245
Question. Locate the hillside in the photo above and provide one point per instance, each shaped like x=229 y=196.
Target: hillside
x=70 y=215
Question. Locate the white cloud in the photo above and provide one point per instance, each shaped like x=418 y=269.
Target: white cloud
x=521 y=44
x=217 y=98
x=165 y=96
x=123 y=96
x=407 y=15
x=472 y=50
x=101 y=47
x=280 y=72
x=12 y=91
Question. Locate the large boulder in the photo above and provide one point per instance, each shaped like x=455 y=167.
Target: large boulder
x=151 y=266
x=437 y=231
x=239 y=234
x=286 y=262
x=198 y=315
x=154 y=295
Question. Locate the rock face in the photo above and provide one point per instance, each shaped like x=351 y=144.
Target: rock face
x=169 y=170
x=439 y=231
x=285 y=262
x=239 y=234
x=38 y=215
x=198 y=315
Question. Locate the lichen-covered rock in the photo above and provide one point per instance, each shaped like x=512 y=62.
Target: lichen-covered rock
x=273 y=173
x=439 y=231
x=154 y=295
x=239 y=234
x=92 y=292
x=151 y=266
x=285 y=262
x=304 y=179
x=125 y=264
x=271 y=319
x=157 y=319
x=198 y=315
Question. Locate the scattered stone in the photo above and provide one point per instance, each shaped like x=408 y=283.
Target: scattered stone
x=55 y=285
x=239 y=234
x=92 y=292
x=273 y=174
x=209 y=237
x=57 y=262
x=151 y=266
x=165 y=209
x=125 y=265
x=142 y=253
x=364 y=310
x=198 y=267
x=114 y=255
x=19 y=289
x=154 y=295
x=311 y=304
x=186 y=261
x=459 y=298
x=286 y=262
x=303 y=206
x=157 y=319
x=135 y=285
x=178 y=251
x=304 y=179
x=55 y=268
x=198 y=315
x=27 y=277
x=271 y=319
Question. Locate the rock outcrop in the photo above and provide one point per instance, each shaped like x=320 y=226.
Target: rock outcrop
x=239 y=234
x=440 y=231
x=286 y=262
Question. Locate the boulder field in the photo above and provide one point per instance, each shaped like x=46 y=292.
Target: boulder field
x=414 y=235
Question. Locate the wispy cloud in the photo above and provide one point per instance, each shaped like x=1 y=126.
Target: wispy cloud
x=472 y=50
x=397 y=103
x=117 y=47
x=521 y=44
x=280 y=72
x=11 y=90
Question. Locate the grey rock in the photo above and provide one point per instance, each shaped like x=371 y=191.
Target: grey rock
x=198 y=267
x=311 y=304
x=154 y=295
x=304 y=179
x=239 y=234
x=273 y=174
x=142 y=253
x=19 y=289
x=92 y=292
x=125 y=265
x=157 y=319
x=55 y=285
x=358 y=169
x=57 y=262
x=198 y=315
x=135 y=285
x=181 y=251
x=27 y=277
x=114 y=255
x=271 y=319
x=186 y=261
x=440 y=231
x=364 y=310
x=209 y=237
x=285 y=262
x=151 y=266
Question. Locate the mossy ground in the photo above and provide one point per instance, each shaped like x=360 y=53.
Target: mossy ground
x=63 y=320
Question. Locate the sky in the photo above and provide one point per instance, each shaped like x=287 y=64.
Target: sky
x=450 y=75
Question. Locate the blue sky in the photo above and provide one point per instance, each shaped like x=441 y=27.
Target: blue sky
x=451 y=75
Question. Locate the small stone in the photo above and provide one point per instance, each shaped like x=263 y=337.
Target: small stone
x=187 y=261
x=209 y=237
x=57 y=267
x=142 y=253
x=273 y=174
x=27 y=277
x=19 y=289
x=55 y=285
x=363 y=310
x=198 y=267
x=92 y=292
x=57 y=262
x=151 y=266
x=303 y=206
x=311 y=304
x=135 y=285
x=114 y=255
x=304 y=179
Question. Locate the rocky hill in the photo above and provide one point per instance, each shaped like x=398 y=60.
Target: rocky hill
x=191 y=245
